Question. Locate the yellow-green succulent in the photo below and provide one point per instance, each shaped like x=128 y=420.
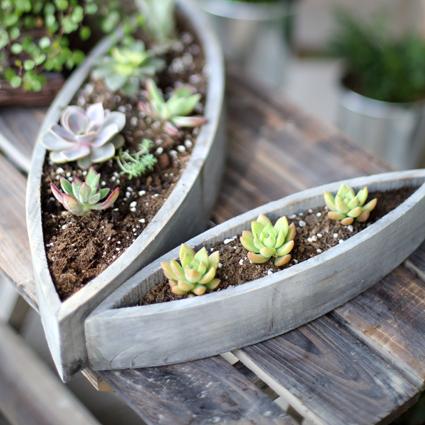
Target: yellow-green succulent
x=195 y=274
x=347 y=206
x=266 y=241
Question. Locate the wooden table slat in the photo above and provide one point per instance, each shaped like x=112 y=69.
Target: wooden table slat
x=416 y=262
x=293 y=151
x=200 y=392
x=329 y=376
x=391 y=318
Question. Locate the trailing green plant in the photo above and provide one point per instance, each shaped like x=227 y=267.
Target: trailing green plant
x=139 y=163
x=347 y=206
x=87 y=136
x=126 y=66
x=379 y=65
x=175 y=111
x=36 y=35
x=266 y=241
x=195 y=274
x=159 y=19
x=80 y=198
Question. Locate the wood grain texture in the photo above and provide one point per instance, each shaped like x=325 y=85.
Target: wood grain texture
x=329 y=376
x=292 y=151
x=29 y=393
x=19 y=124
x=202 y=392
x=120 y=335
x=391 y=318
x=15 y=258
x=416 y=262
x=257 y=122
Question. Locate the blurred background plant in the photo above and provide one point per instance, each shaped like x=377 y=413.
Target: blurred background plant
x=160 y=19
x=378 y=64
x=39 y=36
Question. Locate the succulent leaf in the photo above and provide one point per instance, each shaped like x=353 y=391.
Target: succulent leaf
x=266 y=241
x=87 y=136
x=159 y=19
x=127 y=66
x=174 y=112
x=195 y=274
x=329 y=200
x=81 y=198
x=348 y=206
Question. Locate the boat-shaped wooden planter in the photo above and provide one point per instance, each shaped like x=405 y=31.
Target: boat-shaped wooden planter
x=120 y=336
x=184 y=213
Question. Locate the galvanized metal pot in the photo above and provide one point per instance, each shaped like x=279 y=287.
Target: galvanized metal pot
x=254 y=36
x=394 y=132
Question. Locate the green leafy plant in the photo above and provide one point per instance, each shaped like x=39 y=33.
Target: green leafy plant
x=139 y=163
x=379 y=65
x=126 y=66
x=175 y=111
x=81 y=198
x=348 y=206
x=266 y=241
x=36 y=35
x=159 y=19
x=195 y=274
x=87 y=136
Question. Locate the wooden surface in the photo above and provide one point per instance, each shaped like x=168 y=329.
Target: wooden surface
x=291 y=151
x=30 y=393
x=201 y=392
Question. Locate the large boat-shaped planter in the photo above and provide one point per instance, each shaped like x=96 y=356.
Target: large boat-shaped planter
x=184 y=213
x=121 y=334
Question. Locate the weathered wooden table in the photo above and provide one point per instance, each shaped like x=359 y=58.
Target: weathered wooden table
x=362 y=364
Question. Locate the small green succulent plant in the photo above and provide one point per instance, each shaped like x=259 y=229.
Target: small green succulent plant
x=195 y=274
x=266 y=241
x=139 y=163
x=80 y=198
x=347 y=206
x=175 y=111
x=159 y=19
x=87 y=136
x=126 y=66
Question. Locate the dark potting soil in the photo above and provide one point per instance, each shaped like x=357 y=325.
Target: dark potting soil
x=79 y=249
x=316 y=233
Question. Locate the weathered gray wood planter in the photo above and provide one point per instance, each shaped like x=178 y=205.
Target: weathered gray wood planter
x=184 y=214
x=119 y=336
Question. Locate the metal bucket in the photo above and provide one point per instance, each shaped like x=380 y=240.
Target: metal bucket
x=254 y=36
x=393 y=132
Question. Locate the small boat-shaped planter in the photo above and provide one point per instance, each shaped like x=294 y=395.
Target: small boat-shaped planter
x=184 y=214
x=120 y=334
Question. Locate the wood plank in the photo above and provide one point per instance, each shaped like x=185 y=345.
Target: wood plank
x=15 y=258
x=416 y=262
x=202 y=392
x=19 y=124
x=391 y=318
x=329 y=376
x=13 y=308
x=29 y=393
x=292 y=151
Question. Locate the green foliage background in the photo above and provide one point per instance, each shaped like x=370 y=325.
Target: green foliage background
x=35 y=36
x=379 y=65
